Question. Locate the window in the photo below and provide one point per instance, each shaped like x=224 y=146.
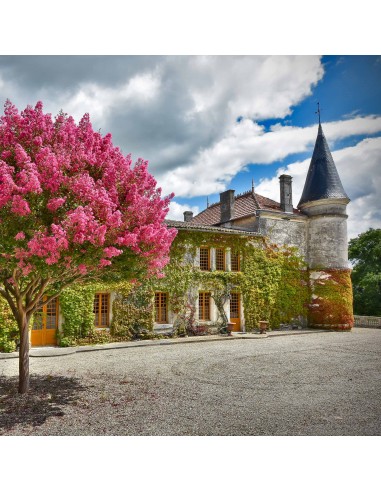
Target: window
x=234 y=305
x=161 y=307
x=220 y=259
x=204 y=258
x=235 y=261
x=46 y=317
x=101 y=310
x=204 y=306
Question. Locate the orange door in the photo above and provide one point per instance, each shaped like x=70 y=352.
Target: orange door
x=235 y=310
x=45 y=325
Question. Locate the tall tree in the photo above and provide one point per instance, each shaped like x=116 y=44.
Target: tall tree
x=72 y=207
x=365 y=253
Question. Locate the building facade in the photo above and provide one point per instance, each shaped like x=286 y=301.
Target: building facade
x=212 y=279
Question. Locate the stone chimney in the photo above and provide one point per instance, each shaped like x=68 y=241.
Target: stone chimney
x=188 y=215
x=286 y=193
x=227 y=205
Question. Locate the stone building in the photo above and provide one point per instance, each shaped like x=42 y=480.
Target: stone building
x=316 y=227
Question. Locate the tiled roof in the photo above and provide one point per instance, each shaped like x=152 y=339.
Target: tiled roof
x=323 y=180
x=244 y=205
x=178 y=224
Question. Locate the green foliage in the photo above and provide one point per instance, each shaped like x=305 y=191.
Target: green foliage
x=365 y=253
x=8 y=328
x=274 y=286
x=332 y=302
x=133 y=312
x=273 y=280
x=76 y=306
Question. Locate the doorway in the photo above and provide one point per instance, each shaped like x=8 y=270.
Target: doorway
x=44 y=329
x=235 y=310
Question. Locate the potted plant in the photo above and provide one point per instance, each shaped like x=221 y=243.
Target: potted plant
x=230 y=327
x=263 y=326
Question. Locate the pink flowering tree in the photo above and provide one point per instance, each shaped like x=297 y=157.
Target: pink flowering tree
x=72 y=208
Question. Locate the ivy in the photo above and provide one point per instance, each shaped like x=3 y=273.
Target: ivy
x=76 y=307
x=274 y=283
x=273 y=280
x=8 y=328
x=132 y=312
x=332 y=301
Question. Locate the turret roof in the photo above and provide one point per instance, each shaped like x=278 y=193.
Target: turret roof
x=322 y=180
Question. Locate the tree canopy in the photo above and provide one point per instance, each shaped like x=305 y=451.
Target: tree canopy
x=365 y=254
x=72 y=207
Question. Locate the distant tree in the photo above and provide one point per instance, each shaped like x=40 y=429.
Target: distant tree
x=365 y=253
x=72 y=208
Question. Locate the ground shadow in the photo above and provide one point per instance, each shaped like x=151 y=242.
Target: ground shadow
x=47 y=397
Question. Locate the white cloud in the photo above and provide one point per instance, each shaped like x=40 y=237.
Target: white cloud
x=256 y=87
x=359 y=168
x=176 y=211
x=188 y=104
x=247 y=142
x=101 y=100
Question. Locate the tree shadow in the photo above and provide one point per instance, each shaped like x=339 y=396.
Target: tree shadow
x=47 y=397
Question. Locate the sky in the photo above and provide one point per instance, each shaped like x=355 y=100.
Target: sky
x=211 y=123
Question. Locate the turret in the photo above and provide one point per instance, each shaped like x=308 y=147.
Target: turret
x=324 y=201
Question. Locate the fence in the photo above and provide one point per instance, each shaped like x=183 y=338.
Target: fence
x=367 y=321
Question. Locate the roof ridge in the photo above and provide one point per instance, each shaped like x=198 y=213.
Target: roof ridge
x=243 y=193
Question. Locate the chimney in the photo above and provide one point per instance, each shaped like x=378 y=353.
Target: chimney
x=227 y=205
x=286 y=193
x=188 y=215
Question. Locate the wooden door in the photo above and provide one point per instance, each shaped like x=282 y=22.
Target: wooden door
x=235 y=310
x=44 y=329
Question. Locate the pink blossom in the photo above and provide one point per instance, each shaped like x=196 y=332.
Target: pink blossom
x=55 y=203
x=20 y=206
x=111 y=204
x=111 y=251
x=27 y=269
x=82 y=269
x=103 y=262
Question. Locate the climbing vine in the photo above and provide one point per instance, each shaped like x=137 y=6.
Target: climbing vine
x=8 y=328
x=274 y=282
x=132 y=312
x=274 y=286
x=332 y=301
x=76 y=308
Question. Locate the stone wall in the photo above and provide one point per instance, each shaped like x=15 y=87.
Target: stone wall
x=327 y=240
x=285 y=231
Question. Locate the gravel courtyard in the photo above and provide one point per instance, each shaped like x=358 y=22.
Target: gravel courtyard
x=299 y=384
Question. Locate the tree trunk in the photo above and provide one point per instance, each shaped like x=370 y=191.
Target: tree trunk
x=23 y=323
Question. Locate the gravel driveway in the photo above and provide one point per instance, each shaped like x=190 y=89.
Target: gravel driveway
x=300 y=384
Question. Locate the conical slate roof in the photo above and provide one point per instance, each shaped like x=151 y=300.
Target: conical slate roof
x=323 y=180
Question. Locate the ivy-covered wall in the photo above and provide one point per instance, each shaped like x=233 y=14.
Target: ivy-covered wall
x=274 y=286
x=8 y=328
x=274 y=282
x=332 y=302
x=132 y=312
